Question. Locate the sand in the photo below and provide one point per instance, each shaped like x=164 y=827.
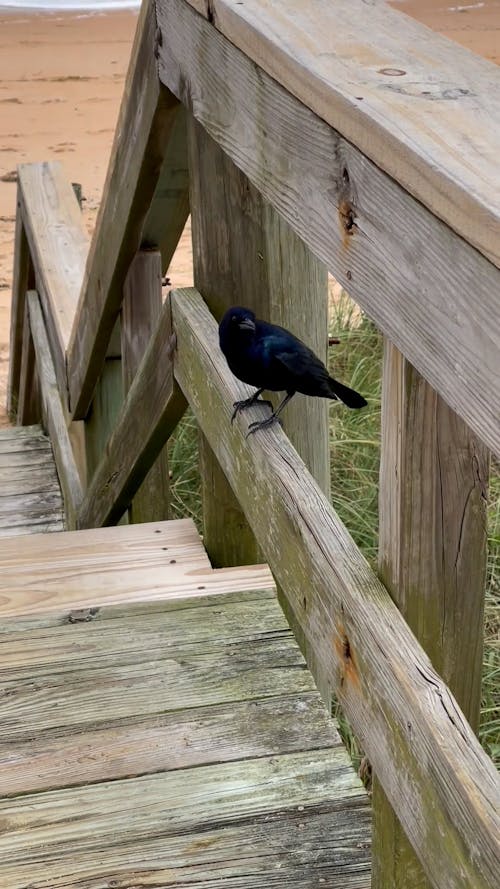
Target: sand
x=61 y=81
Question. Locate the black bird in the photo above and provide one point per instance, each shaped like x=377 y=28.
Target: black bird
x=271 y=358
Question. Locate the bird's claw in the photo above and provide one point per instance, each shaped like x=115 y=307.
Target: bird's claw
x=262 y=424
x=247 y=402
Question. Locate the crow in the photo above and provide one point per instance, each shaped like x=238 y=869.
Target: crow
x=273 y=359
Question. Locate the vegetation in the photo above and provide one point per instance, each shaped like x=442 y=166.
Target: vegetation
x=355 y=454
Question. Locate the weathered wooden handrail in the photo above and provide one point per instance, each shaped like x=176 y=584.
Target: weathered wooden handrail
x=420 y=107
x=427 y=758
x=433 y=294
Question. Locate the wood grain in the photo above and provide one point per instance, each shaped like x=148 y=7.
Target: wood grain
x=432 y=559
x=28 y=399
x=423 y=109
x=411 y=273
x=58 y=244
x=143 y=140
x=30 y=496
x=150 y=412
x=401 y=710
x=21 y=280
x=53 y=412
x=141 y=309
x=172 y=746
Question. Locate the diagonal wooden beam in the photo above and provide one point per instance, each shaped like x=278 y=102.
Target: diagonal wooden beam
x=149 y=136
x=442 y=785
x=151 y=411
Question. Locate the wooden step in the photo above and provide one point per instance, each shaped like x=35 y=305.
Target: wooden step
x=30 y=496
x=169 y=744
x=119 y=566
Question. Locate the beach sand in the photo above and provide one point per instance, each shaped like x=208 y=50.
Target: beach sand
x=61 y=80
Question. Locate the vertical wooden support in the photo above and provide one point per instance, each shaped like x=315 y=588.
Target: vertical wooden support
x=432 y=558
x=108 y=398
x=245 y=254
x=141 y=309
x=22 y=281
x=28 y=396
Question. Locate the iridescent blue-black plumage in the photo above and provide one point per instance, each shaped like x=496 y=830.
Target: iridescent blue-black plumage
x=271 y=358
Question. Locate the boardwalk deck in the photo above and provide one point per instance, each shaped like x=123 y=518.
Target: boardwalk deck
x=30 y=497
x=163 y=743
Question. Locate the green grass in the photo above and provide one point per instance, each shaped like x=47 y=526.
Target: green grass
x=355 y=455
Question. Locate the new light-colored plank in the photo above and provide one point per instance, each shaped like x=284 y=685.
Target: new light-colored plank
x=432 y=559
x=398 y=706
x=141 y=309
x=151 y=411
x=268 y=824
x=58 y=243
x=410 y=272
x=145 y=137
x=235 y=731
x=422 y=108
x=53 y=412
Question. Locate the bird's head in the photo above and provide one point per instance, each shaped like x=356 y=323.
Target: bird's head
x=237 y=320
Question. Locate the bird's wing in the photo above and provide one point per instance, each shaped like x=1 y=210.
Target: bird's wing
x=298 y=359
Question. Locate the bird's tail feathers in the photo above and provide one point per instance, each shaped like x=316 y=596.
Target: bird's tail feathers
x=349 y=397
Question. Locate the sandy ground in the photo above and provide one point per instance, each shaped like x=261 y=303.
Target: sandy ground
x=61 y=80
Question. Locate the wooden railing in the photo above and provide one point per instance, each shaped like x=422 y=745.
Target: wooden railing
x=339 y=136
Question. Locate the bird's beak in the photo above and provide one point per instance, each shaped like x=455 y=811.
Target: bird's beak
x=247 y=324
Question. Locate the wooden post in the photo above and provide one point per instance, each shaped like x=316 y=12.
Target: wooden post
x=29 y=409
x=245 y=254
x=23 y=278
x=107 y=401
x=141 y=309
x=432 y=559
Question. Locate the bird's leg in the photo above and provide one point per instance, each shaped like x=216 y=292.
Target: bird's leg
x=247 y=402
x=264 y=424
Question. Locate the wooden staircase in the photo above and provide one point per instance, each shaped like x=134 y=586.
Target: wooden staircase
x=159 y=725
x=30 y=497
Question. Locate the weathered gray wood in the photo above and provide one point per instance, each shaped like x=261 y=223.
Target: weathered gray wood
x=244 y=253
x=141 y=308
x=145 y=139
x=30 y=496
x=21 y=281
x=53 y=413
x=28 y=398
x=267 y=823
x=58 y=243
x=106 y=405
x=432 y=559
x=169 y=208
x=411 y=273
x=234 y=731
x=151 y=411
x=423 y=109
x=402 y=712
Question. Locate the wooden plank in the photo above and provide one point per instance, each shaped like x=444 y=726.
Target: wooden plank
x=22 y=279
x=169 y=208
x=106 y=404
x=58 y=244
x=241 y=246
x=411 y=273
x=402 y=712
x=188 y=677
x=141 y=309
x=151 y=411
x=29 y=409
x=432 y=559
x=53 y=412
x=422 y=108
x=143 y=142
x=269 y=824
x=235 y=731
